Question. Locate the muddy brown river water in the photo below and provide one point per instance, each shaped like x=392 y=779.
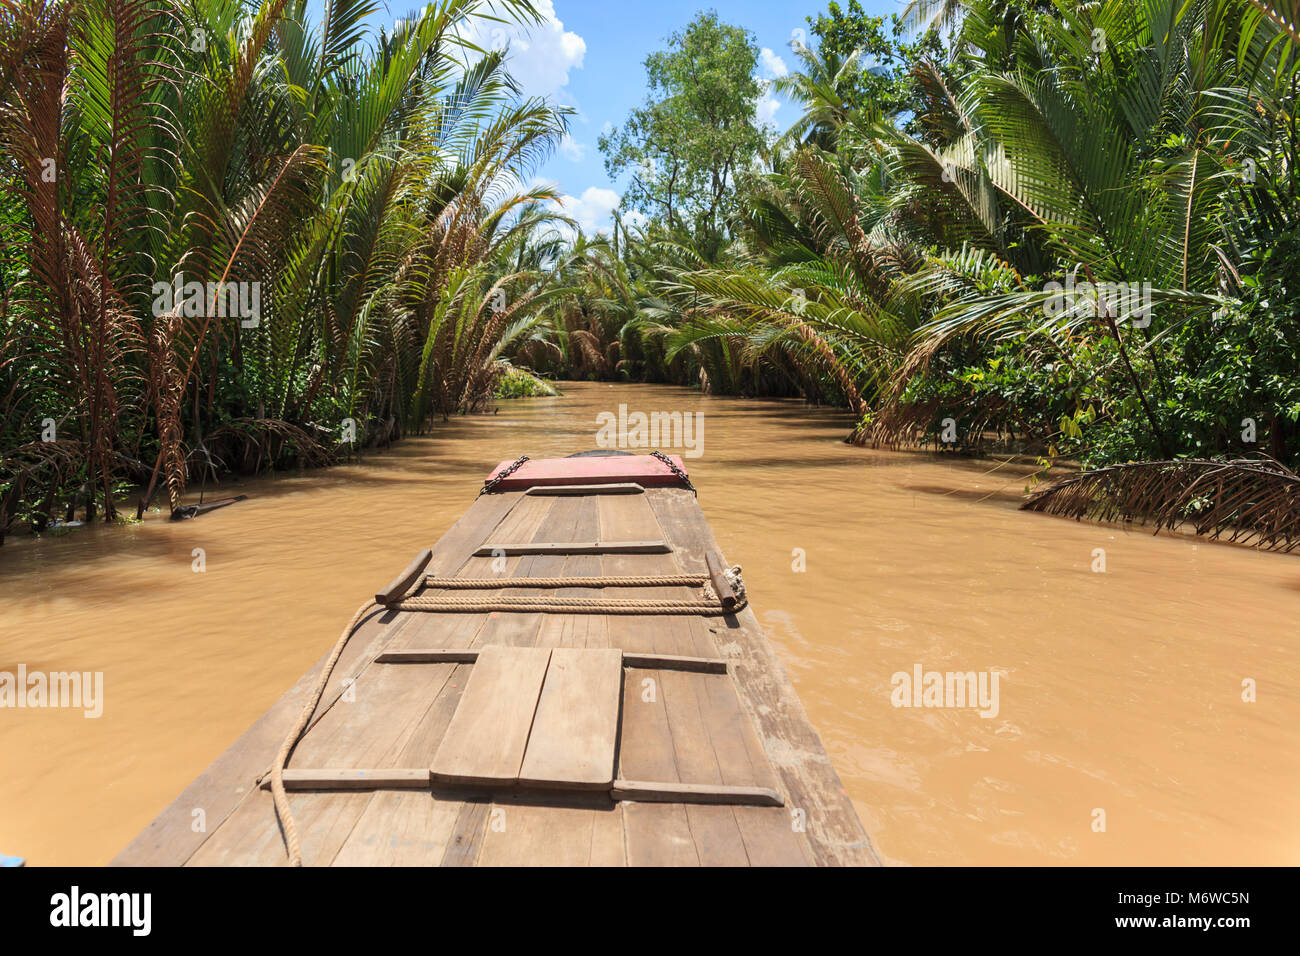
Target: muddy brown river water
x=1121 y=735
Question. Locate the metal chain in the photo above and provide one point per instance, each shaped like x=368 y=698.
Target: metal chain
x=675 y=470
x=506 y=473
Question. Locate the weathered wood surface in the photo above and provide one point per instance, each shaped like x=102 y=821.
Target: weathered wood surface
x=575 y=729
x=433 y=655
x=355 y=779
x=574 y=547
x=695 y=709
x=614 y=488
x=398 y=587
x=695 y=793
x=486 y=738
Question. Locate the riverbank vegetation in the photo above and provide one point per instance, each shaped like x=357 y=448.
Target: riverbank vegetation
x=1059 y=228
x=234 y=241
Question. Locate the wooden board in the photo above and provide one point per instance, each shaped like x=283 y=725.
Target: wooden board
x=617 y=488
x=573 y=547
x=436 y=655
x=354 y=779
x=575 y=730
x=485 y=740
x=650 y=792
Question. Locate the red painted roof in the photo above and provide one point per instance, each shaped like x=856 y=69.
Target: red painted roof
x=645 y=470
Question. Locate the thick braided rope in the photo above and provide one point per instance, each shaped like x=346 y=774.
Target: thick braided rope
x=278 y=793
x=560 y=605
x=642 y=581
x=547 y=604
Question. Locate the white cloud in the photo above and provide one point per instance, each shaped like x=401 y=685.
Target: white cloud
x=571 y=149
x=765 y=110
x=540 y=56
x=592 y=209
x=770 y=64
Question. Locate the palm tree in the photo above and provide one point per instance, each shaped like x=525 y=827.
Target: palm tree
x=153 y=145
x=825 y=88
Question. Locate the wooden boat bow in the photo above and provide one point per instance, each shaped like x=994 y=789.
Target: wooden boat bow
x=542 y=719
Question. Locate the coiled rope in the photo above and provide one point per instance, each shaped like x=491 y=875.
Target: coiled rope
x=564 y=605
x=635 y=581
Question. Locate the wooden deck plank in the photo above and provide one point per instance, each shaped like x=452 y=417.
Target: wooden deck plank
x=250 y=836
x=401 y=829
x=625 y=516
x=770 y=837
x=646 y=743
x=557 y=833
x=359 y=778
x=585 y=546
x=583 y=630
x=484 y=743
x=442 y=655
x=608 y=843
x=559 y=524
x=659 y=834
x=692 y=748
x=611 y=488
x=650 y=791
x=738 y=755
x=370 y=726
x=575 y=729
x=666 y=741
x=438 y=630
x=467 y=834
x=525 y=522
x=575 y=630
x=422 y=742
x=717 y=838
x=521 y=522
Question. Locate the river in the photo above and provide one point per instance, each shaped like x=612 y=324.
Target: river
x=1121 y=734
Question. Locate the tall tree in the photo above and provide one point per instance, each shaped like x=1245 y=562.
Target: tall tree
x=695 y=132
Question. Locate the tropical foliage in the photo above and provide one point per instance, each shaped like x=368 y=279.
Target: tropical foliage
x=1067 y=227
x=234 y=239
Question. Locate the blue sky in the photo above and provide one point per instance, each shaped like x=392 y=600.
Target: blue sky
x=588 y=55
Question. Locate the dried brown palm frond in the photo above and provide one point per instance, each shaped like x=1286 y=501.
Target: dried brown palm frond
x=47 y=464
x=593 y=357
x=898 y=421
x=255 y=443
x=1254 y=501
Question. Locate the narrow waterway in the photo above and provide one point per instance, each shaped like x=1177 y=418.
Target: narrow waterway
x=1120 y=692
